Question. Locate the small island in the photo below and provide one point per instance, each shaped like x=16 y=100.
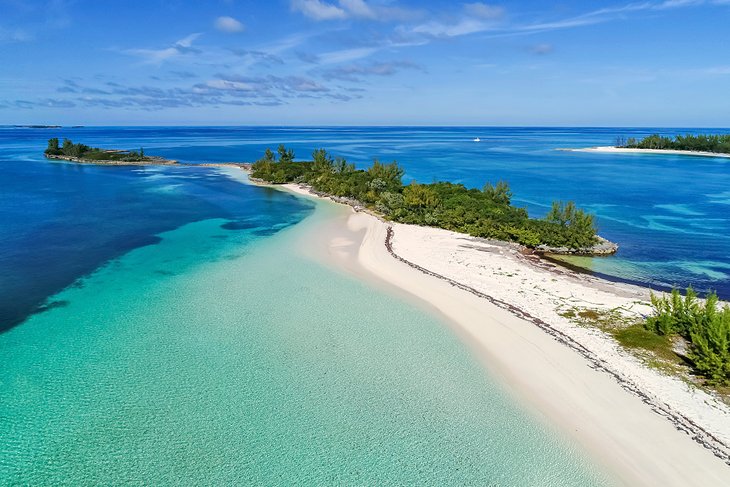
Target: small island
x=80 y=153
x=691 y=145
x=486 y=213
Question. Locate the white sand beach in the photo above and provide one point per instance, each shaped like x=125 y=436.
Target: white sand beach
x=646 y=427
x=625 y=150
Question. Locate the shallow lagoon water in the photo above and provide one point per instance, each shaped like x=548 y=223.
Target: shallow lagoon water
x=223 y=356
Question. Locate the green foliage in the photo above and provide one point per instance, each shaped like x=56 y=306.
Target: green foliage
x=499 y=194
x=707 y=143
x=85 y=152
x=420 y=197
x=567 y=225
x=486 y=213
x=706 y=327
x=53 y=147
x=674 y=313
x=637 y=336
x=711 y=346
x=284 y=154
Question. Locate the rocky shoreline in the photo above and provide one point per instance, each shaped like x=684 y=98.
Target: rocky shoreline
x=151 y=161
x=604 y=247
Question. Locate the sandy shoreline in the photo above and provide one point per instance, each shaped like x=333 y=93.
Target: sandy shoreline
x=601 y=396
x=625 y=150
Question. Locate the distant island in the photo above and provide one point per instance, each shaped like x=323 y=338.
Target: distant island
x=693 y=145
x=68 y=151
x=36 y=126
x=486 y=213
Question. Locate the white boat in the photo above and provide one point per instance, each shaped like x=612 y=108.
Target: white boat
x=477 y=139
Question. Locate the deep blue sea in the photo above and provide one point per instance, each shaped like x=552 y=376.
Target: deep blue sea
x=59 y=221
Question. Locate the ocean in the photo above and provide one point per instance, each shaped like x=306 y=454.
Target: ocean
x=159 y=326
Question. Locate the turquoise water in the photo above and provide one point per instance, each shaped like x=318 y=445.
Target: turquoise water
x=219 y=355
x=668 y=213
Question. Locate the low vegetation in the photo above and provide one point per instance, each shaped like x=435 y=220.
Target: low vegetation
x=84 y=152
x=683 y=333
x=706 y=143
x=705 y=326
x=486 y=213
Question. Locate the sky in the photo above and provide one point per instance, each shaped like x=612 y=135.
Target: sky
x=365 y=62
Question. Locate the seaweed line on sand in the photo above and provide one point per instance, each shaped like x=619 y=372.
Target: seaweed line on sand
x=681 y=422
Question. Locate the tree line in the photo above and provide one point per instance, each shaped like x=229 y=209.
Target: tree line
x=689 y=142
x=82 y=151
x=486 y=213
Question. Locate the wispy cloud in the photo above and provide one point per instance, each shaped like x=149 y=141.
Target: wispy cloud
x=318 y=10
x=356 y=72
x=346 y=55
x=156 y=56
x=14 y=35
x=220 y=90
x=480 y=17
x=257 y=56
x=542 y=49
x=308 y=57
x=475 y=17
x=484 y=11
x=717 y=70
x=348 y=9
x=228 y=24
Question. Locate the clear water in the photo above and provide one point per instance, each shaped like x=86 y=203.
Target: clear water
x=218 y=355
x=668 y=213
x=159 y=327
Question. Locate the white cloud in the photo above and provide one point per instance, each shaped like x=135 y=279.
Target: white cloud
x=156 y=56
x=481 y=17
x=357 y=8
x=483 y=10
x=477 y=17
x=318 y=10
x=461 y=28
x=227 y=85
x=228 y=24
x=346 y=9
x=346 y=55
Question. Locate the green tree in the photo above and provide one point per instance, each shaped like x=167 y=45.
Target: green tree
x=710 y=350
x=68 y=147
x=420 y=196
x=390 y=174
x=499 y=194
x=52 y=146
x=285 y=155
x=322 y=162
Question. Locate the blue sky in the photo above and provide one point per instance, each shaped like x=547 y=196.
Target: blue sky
x=361 y=62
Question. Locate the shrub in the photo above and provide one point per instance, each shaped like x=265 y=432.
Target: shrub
x=705 y=326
